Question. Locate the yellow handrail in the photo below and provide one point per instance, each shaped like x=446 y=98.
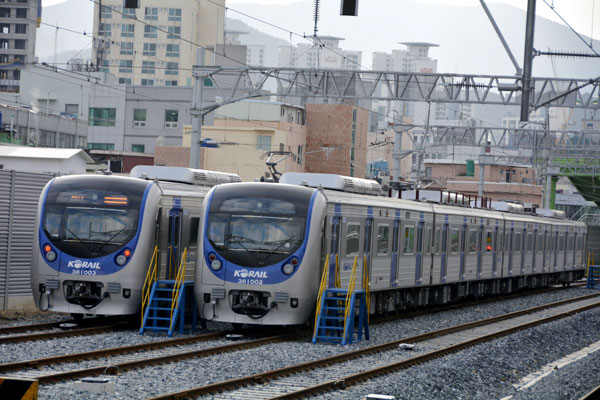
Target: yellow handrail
x=366 y=286
x=321 y=290
x=349 y=295
x=150 y=279
x=178 y=281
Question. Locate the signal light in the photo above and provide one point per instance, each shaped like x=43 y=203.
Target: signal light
x=47 y=248
x=127 y=252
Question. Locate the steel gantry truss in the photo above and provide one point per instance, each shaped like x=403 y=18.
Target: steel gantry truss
x=404 y=86
x=575 y=152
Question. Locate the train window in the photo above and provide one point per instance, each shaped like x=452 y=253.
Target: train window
x=488 y=241
x=529 y=244
x=436 y=242
x=540 y=242
x=352 y=239
x=518 y=241
x=409 y=239
x=463 y=239
x=472 y=246
x=561 y=243
x=570 y=242
x=454 y=241
x=194 y=224
x=508 y=241
x=383 y=236
x=428 y=241
x=396 y=233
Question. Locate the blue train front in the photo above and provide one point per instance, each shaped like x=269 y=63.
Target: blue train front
x=258 y=264
x=93 y=240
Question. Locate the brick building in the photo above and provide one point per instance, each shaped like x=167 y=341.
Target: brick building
x=336 y=139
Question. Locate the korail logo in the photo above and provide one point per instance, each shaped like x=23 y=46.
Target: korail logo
x=78 y=264
x=244 y=273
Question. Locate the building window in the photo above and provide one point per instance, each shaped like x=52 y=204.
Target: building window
x=4 y=43
x=104 y=29
x=72 y=109
x=148 y=67
x=4 y=12
x=101 y=146
x=149 y=49
x=151 y=13
x=170 y=83
x=125 y=81
x=105 y=12
x=172 y=68
x=174 y=14
x=172 y=50
x=125 y=66
x=263 y=143
x=139 y=117
x=129 y=13
x=127 y=30
x=104 y=65
x=147 y=82
x=20 y=28
x=21 y=13
x=299 y=159
x=137 y=148
x=149 y=31
x=174 y=32
x=127 y=48
x=102 y=116
x=171 y=117
x=20 y=44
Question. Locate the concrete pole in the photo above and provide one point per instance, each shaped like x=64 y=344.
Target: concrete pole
x=528 y=60
x=397 y=152
x=197 y=116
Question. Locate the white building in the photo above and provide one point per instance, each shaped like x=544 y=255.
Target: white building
x=155 y=45
x=31 y=159
x=324 y=53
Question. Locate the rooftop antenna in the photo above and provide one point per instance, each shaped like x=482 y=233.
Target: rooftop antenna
x=316 y=16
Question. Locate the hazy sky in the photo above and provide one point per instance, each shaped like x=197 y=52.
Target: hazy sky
x=583 y=15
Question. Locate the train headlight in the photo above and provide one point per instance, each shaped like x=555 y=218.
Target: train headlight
x=288 y=269
x=216 y=265
x=121 y=259
x=50 y=256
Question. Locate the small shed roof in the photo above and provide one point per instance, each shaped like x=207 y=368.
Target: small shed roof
x=43 y=152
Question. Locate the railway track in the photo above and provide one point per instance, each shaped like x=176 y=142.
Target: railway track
x=337 y=372
x=57 y=333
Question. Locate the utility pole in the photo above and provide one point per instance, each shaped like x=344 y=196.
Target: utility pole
x=528 y=60
x=197 y=114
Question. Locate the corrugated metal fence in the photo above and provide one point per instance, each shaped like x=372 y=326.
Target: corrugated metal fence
x=19 y=195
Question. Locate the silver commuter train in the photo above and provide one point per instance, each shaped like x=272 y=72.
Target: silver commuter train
x=95 y=236
x=265 y=244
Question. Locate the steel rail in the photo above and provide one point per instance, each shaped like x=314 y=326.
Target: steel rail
x=268 y=375
x=61 y=334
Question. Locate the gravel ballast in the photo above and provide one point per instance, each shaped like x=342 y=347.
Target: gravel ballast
x=485 y=371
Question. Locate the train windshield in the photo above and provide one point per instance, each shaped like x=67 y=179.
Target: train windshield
x=91 y=218
x=257 y=230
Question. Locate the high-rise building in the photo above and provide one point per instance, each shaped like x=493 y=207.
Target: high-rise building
x=18 y=22
x=324 y=53
x=155 y=45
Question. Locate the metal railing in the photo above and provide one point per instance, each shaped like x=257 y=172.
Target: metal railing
x=179 y=280
x=151 y=276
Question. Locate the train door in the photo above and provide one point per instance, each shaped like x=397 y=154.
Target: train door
x=407 y=270
x=509 y=249
x=534 y=248
x=366 y=261
x=444 y=251
x=472 y=255
x=334 y=254
x=463 y=238
x=523 y=250
x=495 y=249
x=190 y=223
x=380 y=258
x=546 y=249
x=351 y=247
x=565 y=249
x=428 y=258
x=555 y=249
x=174 y=241
x=487 y=252
x=419 y=252
x=574 y=249
x=479 y=247
x=394 y=260
x=453 y=253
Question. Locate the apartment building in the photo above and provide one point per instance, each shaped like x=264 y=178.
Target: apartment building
x=18 y=22
x=155 y=44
